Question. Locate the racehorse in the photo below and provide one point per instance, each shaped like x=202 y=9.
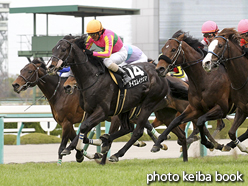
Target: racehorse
x=166 y=114
x=65 y=108
x=209 y=93
x=100 y=94
x=225 y=51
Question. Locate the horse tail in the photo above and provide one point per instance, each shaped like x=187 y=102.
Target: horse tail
x=178 y=88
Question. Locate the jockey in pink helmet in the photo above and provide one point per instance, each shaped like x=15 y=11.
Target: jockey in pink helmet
x=209 y=30
x=243 y=31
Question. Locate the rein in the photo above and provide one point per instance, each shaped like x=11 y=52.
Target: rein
x=77 y=64
x=28 y=83
x=183 y=65
x=222 y=60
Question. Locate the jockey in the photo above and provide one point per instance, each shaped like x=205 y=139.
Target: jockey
x=178 y=72
x=65 y=72
x=243 y=31
x=209 y=30
x=114 y=52
x=134 y=55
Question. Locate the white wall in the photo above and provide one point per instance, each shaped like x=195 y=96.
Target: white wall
x=145 y=27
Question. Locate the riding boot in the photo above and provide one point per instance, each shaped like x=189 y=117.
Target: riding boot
x=123 y=74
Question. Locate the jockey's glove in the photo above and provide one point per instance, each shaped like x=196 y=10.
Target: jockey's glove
x=88 y=52
x=245 y=50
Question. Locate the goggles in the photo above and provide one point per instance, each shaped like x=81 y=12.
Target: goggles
x=244 y=34
x=208 y=35
x=93 y=34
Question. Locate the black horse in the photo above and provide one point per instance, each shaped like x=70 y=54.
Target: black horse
x=100 y=94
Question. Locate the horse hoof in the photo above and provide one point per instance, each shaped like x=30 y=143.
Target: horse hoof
x=219 y=147
x=113 y=158
x=141 y=144
x=105 y=149
x=181 y=149
x=164 y=147
x=104 y=137
x=97 y=156
x=65 y=152
x=211 y=150
x=79 y=157
x=155 y=148
x=226 y=149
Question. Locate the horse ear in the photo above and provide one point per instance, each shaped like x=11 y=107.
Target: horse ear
x=180 y=38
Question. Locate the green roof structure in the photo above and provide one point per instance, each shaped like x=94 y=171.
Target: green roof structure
x=41 y=45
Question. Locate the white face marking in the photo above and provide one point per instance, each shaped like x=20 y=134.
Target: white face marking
x=58 y=47
x=211 y=48
x=167 y=46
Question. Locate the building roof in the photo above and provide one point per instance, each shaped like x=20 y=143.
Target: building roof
x=76 y=10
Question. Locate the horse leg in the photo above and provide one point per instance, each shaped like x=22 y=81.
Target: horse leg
x=137 y=133
x=232 y=145
x=91 y=121
x=213 y=114
x=115 y=124
x=126 y=128
x=181 y=136
x=151 y=131
x=188 y=115
x=219 y=127
x=238 y=120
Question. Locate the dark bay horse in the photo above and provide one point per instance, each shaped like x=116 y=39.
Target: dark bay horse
x=65 y=108
x=225 y=51
x=167 y=112
x=100 y=94
x=209 y=93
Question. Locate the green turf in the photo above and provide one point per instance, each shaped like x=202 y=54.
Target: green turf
x=123 y=173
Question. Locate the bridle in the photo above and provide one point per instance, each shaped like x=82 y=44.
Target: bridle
x=175 y=58
x=222 y=59
x=76 y=64
x=37 y=79
x=64 y=61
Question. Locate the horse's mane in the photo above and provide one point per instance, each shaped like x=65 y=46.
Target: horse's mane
x=193 y=42
x=38 y=61
x=81 y=43
x=231 y=34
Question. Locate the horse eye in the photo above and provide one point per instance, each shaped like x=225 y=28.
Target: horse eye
x=30 y=71
x=63 y=49
x=173 y=50
x=220 y=45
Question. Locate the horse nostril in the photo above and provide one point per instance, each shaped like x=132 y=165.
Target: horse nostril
x=67 y=87
x=15 y=85
x=160 y=70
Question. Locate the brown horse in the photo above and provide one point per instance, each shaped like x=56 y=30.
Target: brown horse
x=209 y=93
x=65 y=108
x=225 y=51
x=100 y=94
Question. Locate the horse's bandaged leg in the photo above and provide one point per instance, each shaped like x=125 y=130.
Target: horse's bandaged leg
x=241 y=146
x=96 y=142
x=80 y=145
x=88 y=155
x=155 y=133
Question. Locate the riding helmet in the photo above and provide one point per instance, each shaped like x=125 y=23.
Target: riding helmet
x=209 y=27
x=94 y=26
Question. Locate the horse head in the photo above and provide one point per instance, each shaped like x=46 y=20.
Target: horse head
x=218 y=50
x=30 y=75
x=62 y=53
x=171 y=52
x=70 y=85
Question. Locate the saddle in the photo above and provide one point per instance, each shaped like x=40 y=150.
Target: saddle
x=138 y=76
